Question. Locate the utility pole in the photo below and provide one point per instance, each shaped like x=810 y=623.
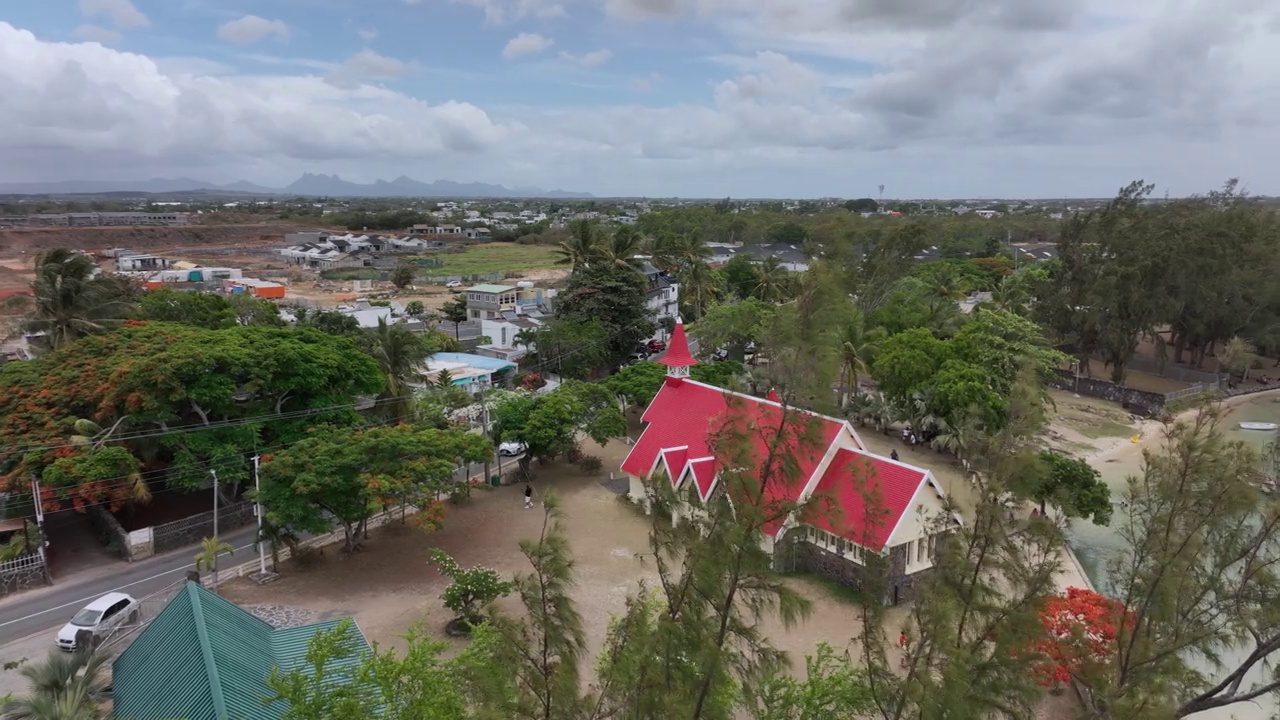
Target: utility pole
x=38 y=503
x=214 y=473
x=257 y=499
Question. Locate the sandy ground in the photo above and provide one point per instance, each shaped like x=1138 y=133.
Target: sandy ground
x=390 y=586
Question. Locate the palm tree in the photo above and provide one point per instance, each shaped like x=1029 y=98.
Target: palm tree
x=622 y=249
x=691 y=249
x=93 y=437
x=1011 y=295
x=275 y=536
x=72 y=299
x=774 y=280
x=527 y=337
x=400 y=354
x=207 y=558
x=581 y=247
x=663 y=249
x=63 y=687
x=858 y=347
x=697 y=288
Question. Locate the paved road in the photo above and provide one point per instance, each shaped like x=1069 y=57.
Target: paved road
x=50 y=608
x=24 y=614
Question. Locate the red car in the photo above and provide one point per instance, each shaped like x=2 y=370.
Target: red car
x=657 y=345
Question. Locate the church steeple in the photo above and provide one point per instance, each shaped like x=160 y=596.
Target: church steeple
x=678 y=359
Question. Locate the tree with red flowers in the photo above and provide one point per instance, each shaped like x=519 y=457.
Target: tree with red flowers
x=1080 y=635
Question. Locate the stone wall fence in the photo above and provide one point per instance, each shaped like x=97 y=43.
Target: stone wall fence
x=1137 y=401
x=191 y=530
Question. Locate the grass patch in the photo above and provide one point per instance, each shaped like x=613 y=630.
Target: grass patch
x=1101 y=428
x=840 y=592
x=354 y=274
x=495 y=257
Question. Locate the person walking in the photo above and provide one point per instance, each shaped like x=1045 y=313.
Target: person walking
x=893 y=455
x=528 y=496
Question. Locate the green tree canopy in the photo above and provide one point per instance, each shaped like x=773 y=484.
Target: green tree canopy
x=613 y=297
x=201 y=309
x=908 y=361
x=163 y=376
x=1072 y=486
x=550 y=423
x=342 y=475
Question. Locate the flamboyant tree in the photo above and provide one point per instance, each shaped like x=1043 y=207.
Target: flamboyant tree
x=1080 y=636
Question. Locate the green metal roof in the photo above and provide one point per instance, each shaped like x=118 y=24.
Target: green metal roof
x=491 y=288
x=204 y=658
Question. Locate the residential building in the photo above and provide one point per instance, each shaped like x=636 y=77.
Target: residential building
x=662 y=296
x=368 y=315
x=107 y=219
x=504 y=330
x=127 y=261
x=489 y=301
x=833 y=532
x=479 y=233
x=472 y=373
x=204 y=658
x=791 y=257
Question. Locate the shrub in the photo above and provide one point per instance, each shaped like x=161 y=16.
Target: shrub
x=472 y=588
x=590 y=464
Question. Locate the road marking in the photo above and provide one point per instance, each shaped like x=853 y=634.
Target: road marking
x=98 y=595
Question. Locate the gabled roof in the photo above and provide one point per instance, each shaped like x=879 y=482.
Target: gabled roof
x=693 y=414
x=204 y=658
x=840 y=507
x=687 y=416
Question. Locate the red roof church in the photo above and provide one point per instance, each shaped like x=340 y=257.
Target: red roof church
x=834 y=474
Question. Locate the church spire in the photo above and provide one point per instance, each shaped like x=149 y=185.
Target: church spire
x=678 y=359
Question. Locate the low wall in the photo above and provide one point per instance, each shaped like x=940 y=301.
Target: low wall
x=252 y=567
x=1138 y=401
x=113 y=533
x=189 y=531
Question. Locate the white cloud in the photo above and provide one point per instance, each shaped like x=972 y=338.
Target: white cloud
x=114 y=111
x=98 y=34
x=367 y=35
x=499 y=12
x=363 y=66
x=122 y=14
x=1074 y=97
x=251 y=29
x=595 y=58
x=526 y=44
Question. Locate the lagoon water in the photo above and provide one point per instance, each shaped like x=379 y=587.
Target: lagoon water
x=1094 y=545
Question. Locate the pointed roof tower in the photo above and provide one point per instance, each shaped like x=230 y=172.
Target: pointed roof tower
x=678 y=359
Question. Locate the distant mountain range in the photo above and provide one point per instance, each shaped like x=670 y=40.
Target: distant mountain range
x=308 y=185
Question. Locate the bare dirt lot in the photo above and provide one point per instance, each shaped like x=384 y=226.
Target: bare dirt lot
x=390 y=586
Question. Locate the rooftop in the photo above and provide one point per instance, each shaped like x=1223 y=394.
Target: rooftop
x=491 y=288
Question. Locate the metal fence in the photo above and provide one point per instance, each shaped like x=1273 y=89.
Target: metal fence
x=22 y=572
x=149 y=607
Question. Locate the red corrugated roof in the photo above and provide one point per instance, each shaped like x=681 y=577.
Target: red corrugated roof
x=692 y=414
x=678 y=354
x=839 y=500
x=704 y=475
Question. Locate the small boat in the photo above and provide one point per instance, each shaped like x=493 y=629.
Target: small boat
x=1258 y=426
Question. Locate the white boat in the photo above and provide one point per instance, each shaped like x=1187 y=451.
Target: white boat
x=1258 y=426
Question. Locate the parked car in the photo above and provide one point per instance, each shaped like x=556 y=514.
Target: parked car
x=720 y=355
x=455 y=291
x=656 y=345
x=512 y=449
x=99 y=617
x=638 y=356
x=453 y=284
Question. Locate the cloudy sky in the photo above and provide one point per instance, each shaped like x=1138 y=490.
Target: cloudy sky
x=706 y=98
